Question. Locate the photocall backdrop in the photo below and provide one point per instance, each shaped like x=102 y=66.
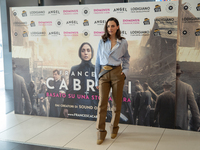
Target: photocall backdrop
x=49 y=38
x=188 y=57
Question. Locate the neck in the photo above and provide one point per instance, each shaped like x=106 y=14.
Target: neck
x=113 y=37
x=166 y=90
x=85 y=63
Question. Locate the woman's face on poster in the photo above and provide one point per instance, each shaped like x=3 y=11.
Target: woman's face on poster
x=86 y=53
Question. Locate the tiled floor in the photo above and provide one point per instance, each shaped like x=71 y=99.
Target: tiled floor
x=22 y=132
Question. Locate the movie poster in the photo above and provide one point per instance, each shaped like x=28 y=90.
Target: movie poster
x=54 y=77
x=188 y=59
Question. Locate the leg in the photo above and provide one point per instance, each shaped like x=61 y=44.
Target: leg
x=52 y=108
x=104 y=89
x=117 y=93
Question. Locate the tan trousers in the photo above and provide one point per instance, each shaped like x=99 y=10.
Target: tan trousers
x=113 y=79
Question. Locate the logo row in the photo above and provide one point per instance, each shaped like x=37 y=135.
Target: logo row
x=171 y=7
x=187 y=32
x=86 y=22
x=86 y=33
x=187 y=6
x=58 y=23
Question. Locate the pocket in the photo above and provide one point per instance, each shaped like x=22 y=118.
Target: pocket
x=124 y=76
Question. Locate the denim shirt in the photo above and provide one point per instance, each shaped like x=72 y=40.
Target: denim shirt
x=116 y=56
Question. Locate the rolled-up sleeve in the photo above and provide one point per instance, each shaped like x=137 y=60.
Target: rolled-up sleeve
x=125 y=61
x=97 y=65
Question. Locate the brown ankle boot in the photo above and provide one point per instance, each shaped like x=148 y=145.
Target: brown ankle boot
x=101 y=135
x=114 y=131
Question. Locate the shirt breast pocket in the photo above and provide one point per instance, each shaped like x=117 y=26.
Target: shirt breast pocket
x=103 y=57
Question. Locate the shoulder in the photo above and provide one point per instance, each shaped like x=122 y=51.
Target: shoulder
x=101 y=41
x=18 y=77
x=147 y=93
x=185 y=85
x=124 y=42
x=92 y=65
x=166 y=93
x=74 y=68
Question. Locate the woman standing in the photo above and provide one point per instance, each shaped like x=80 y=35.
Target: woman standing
x=112 y=65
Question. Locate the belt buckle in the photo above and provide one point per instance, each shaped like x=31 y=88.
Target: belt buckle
x=107 y=67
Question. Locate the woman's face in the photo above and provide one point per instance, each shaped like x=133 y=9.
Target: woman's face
x=112 y=27
x=86 y=52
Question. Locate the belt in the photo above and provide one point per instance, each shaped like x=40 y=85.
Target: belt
x=106 y=68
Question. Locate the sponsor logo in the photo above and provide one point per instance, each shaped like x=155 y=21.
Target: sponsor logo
x=140 y=9
x=120 y=10
x=53 y=12
x=86 y=22
x=166 y=20
x=198 y=7
x=131 y=21
x=54 y=33
x=98 y=33
x=45 y=23
x=70 y=33
x=37 y=13
x=24 y=13
x=169 y=32
x=25 y=34
x=32 y=24
x=139 y=33
x=20 y=23
x=100 y=22
x=38 y=33
x=187 y=6
x=190 y=19
x=123 y=33
x=86 y=33
x=171 y=7
x=185 y=32
x=156 y=32
x=59 y=23
x=146 y=21
x=15 y=13
x=15 y=34
x=157 y=8
x=70 y=12
x=85 y=11
x=102 y=11
x=72 y=22
x=197 y=33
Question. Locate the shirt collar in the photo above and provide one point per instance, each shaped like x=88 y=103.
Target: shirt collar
x=118 y=41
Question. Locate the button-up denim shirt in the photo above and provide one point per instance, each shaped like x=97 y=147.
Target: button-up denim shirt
x=116 y=56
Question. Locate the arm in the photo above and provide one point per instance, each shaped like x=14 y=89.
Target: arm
x=97 y=65
x=70 y=88
x=125 y=60
x=193 y=106
x=149 y=98
x=157 y=108
x=28 y=107
x=67 y=101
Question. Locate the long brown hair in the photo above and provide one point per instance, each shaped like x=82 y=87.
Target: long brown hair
x=107 y=35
